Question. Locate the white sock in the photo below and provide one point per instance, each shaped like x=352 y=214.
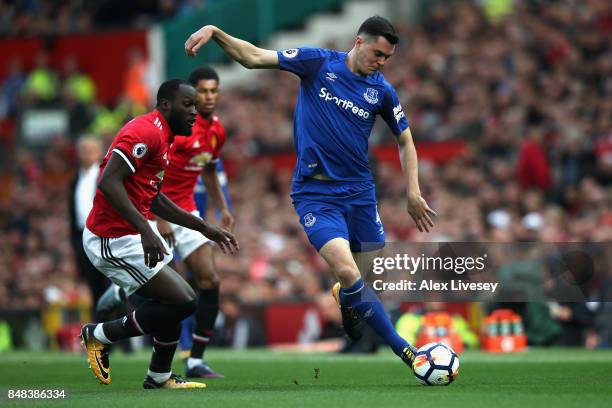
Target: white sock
x=158 y=377
x=192 y=362
x=99 y=334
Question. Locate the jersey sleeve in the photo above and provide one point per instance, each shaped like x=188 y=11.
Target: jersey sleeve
x=134 y=146
x=304 y=62
x=392 y=112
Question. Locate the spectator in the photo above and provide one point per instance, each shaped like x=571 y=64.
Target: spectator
x=234 y=328
x=533 y=168
x=41 y=84
x=82 y=191
x=11 y=87
x=135 y=83
x=76 y=84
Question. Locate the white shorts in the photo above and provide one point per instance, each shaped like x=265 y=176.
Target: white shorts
x=187 y=240
x=122 y=259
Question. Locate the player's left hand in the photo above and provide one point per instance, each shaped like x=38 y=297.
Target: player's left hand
x=225 y=239
x=420 y=212
x=197 y=40
x=227 y=220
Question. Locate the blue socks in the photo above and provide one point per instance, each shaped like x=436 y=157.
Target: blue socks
x=367 y=304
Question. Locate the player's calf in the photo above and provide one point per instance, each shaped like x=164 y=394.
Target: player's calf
x=368 y=306
x=149 y=317
x=205 y=316
x=352 y=323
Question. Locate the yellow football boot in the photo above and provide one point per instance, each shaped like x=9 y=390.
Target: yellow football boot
x=97 y=354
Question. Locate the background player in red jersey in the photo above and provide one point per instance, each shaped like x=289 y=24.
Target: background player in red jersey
x=189 y=157
x=122 y=242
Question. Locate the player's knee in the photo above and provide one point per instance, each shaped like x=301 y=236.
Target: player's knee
x=347 y=275
x=185 y=309
x=208 y=282
x=185 y=295
x=190 y=295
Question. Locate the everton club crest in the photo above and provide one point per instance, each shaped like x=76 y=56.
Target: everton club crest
x=371 y=95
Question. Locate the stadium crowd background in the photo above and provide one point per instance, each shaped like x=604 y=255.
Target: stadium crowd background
x=530 y=91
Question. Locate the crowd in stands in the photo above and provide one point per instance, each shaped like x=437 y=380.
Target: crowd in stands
x=530 y=91
x=29 y=18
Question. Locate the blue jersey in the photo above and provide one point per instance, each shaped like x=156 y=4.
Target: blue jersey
x=335 y=113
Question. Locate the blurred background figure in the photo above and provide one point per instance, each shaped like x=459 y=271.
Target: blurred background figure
x=235 y=328
x=135 y=83
x=42 y=84
x=82 y=191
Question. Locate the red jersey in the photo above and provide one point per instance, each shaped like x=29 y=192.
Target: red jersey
x=143 y=143
x=188 y=156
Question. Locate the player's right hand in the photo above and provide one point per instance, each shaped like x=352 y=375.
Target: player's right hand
x=165 y=230
x=420 y=212
x=153 y=248
x=198 y=39
x=225 y=239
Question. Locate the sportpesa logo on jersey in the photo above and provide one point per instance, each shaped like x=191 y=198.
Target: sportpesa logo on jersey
x=344 y=103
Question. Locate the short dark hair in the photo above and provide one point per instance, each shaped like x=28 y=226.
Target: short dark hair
x=203 y=73
x=168 y=89
x=379 y=26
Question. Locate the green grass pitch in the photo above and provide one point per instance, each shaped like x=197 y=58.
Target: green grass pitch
x=262 y=378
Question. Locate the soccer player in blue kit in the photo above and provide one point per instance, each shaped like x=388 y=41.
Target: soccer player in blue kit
x=333 y=189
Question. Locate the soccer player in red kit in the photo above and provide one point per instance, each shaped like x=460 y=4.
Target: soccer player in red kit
x=122 y=242
x=189 y=157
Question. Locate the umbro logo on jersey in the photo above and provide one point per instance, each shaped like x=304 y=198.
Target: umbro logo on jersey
x=158 y=123
x=331 y=76
x=196 y=144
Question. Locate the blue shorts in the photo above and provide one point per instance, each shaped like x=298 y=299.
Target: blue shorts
x=200 y=191
x=350 y=213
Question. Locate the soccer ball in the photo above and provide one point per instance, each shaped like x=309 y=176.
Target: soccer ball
x=436 y=364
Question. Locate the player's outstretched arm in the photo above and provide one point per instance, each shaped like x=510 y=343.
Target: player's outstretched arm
x=239 y=50
x=417 y=206
x=111 y=184
x=163 y=207
x=210 y=177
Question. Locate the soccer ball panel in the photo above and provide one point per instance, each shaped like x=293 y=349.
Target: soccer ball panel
x=422 y=365
x=455 y=369
x=439 y=377
x=455 y=366
x=436 y=364
x=441 y=356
